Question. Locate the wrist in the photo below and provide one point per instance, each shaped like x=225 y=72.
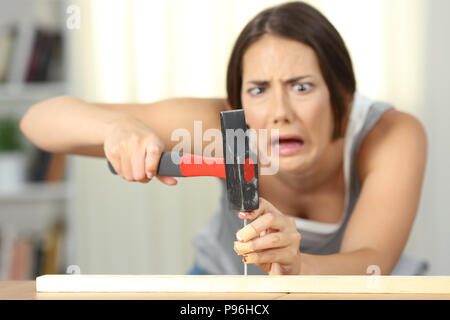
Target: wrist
x=115 y=120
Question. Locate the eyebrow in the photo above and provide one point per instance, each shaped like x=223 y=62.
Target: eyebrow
x=291 y=80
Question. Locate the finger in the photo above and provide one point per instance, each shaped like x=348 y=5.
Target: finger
x=267 y=231
x=114 y=159
x=273 y=269
x=269 y=241
x=116 y=164
x=125 y=164
x=280 y=255
x=247 y=233
x=276 y=269
x=245 y=215
x=138 y=164
x=266 y=221
x=171 y=181
x=264 y=206
x=146 y=180
x=152 y=156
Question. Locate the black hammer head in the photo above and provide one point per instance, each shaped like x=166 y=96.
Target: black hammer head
x=241 y=164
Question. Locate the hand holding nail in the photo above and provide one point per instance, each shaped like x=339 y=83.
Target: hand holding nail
x=271 y=240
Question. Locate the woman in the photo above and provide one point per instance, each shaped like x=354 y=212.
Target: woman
x=343 y=199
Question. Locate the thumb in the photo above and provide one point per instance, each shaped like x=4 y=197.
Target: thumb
x=170 y=181
x=275 y=269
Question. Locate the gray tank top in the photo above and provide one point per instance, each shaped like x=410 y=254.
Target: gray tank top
x=214 y=244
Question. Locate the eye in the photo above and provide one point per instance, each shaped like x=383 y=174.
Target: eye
x=255 y=91
x=302 y=87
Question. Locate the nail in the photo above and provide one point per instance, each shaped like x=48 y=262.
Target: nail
x=243 y=247
x=149 y=175
x=250 y=258
x=242 y=214
x=246 y=233
x=236 y=245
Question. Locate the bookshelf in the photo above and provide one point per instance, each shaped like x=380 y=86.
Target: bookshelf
x=29 y=215
x=32 y=69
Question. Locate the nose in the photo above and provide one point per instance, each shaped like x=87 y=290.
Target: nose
x=280 y=120
x=282 y=111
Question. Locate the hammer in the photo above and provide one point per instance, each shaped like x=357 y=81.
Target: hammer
x=239 y=167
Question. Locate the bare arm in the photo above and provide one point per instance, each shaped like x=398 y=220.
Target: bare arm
x=391 y=166
x=131 y=136
x=70 y=125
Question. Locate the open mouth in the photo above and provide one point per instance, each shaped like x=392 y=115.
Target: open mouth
x=288 y=144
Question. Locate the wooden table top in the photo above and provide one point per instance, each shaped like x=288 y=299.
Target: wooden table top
x=26 y=290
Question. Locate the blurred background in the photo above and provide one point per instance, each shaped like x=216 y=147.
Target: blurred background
x=69 y=214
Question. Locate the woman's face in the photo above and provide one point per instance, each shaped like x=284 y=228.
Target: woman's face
x=283 y=89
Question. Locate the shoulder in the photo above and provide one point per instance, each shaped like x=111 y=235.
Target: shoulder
x=396 y=134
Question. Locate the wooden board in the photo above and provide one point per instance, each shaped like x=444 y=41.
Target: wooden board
x=227 y=283
x=26 y=290
x=17 y=290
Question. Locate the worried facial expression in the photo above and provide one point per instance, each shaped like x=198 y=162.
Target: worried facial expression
x=283 y=88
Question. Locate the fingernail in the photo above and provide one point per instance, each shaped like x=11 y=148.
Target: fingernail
x=250 y=258
x=149 y=175
x=243 y=247
x=246 y=233
x=242 y=214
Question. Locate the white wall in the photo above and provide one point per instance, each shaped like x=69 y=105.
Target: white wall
x=431 y=236
x=150 y=50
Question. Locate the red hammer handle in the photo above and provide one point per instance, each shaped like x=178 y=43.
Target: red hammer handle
x=192 y=165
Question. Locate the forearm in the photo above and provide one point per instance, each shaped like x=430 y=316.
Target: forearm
x=66 y=124
x=349 y=263
x=71 y=125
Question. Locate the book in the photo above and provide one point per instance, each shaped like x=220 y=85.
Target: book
x=52 y=253
x=45 y=62
x=22 y=259
x=38 y=165
x=38 y=258
x=6 y=46
x=56 y=168
x=32 y=256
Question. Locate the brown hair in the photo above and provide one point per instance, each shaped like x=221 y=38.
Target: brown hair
x=301 y=22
